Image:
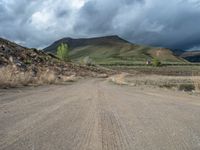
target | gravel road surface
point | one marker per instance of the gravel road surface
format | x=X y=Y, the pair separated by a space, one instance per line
x=98 y=115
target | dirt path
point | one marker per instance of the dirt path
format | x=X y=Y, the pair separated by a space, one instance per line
x=97 y=115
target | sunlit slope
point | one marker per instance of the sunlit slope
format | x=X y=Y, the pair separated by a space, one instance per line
x=113 y=49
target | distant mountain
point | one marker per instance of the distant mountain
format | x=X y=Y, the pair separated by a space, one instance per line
x=191 y=56
x=74 y=43
x=113 y=49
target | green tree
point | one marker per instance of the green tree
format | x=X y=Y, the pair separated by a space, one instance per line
x=156 y=62
x=63 y=52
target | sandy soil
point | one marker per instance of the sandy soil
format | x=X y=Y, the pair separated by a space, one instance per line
x=98 y=115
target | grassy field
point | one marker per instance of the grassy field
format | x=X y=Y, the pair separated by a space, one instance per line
x=180 y=83
x=173 y=70
x=175 y=77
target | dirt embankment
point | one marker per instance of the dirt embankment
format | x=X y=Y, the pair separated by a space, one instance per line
x=23 y=66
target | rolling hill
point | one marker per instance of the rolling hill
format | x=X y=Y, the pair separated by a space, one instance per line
x=191 y=56
x=113 y=50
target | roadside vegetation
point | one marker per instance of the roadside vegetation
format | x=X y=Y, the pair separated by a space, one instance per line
x=180 y=83
x=11 y=77
x=196 y=81
x=63 y=52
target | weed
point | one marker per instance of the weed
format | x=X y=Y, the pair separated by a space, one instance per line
x=186 y=87
x=196 y=82
x=156 y=62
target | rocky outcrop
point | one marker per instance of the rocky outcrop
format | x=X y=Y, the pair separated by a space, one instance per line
x=38 y=64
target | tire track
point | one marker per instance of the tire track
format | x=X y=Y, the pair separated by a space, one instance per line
x=114 y=134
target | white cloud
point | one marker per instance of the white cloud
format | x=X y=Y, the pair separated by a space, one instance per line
x=41 y=20
x=77 y=4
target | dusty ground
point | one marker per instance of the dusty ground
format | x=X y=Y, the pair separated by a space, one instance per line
x=98 y=115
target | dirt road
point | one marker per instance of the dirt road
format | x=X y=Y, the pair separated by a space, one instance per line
x=98 y=115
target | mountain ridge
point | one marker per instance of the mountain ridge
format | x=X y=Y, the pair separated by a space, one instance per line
x=192 y=56
x=113 y=49
x=75 y=42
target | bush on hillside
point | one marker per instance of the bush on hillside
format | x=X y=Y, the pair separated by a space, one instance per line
x=156 y=62
x=87 y=61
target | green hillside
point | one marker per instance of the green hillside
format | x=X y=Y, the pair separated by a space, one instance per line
x=113 y=50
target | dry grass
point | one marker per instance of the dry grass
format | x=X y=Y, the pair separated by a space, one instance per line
x=71 y=78
x=46 y=77
x=182 y=83
x=119 y=79
x=11 y=77
x=196 y=82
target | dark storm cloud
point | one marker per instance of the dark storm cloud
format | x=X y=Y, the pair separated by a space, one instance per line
x=96 y=17
x=173 y=24
x=36 y=23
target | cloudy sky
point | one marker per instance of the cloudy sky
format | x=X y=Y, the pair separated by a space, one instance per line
x=37 y=23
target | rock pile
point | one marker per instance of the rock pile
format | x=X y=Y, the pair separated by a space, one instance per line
x=13 y=54
x=36 y=62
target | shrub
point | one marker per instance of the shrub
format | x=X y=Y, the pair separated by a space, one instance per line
x=87 y=61
x=63 y=52
x=156 y=62
x=196 y=81
x=186 y=87
x=11 y=77
x=46 y=77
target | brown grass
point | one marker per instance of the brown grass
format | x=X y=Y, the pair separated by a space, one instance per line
x=181 y=83
x=11 y=77
x=196 y=82
x=119 y=79
x=70 y=78
x=46 y=77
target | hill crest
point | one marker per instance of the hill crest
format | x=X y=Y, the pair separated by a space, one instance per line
x=77 y=42
x=113 y=49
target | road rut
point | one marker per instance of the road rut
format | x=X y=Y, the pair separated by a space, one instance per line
x=98 y=115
